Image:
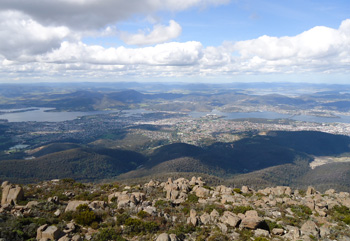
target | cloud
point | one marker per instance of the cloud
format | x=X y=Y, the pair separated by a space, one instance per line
x=172 y=54
x=320 y=49
x=95 y=14
x=52 y=52
x=22 y=36
x=159 y=34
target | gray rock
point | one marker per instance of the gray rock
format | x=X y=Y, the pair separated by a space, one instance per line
x=163 y=237
x=261 y=233
x=253 y=222
x=11 y=194
x=230 y=219
x=72 y=205
x=31 y=204
x=205 y=218
x=277 y=231
x=310 y=227
x=310 y=191
x=222 y=227
x=49 y=232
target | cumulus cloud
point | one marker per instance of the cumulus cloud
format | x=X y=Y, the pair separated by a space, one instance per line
x=320 y=48
x=172 y=54
x=159 y=34
x=95 y=14
x=22 y=36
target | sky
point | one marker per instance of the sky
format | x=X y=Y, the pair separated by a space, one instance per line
x=207 y=41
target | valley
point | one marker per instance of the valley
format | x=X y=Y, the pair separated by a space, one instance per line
x=234 y=135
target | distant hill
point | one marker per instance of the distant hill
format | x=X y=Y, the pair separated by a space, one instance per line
x=52 y=148
x=278 y=158
x=82 y=164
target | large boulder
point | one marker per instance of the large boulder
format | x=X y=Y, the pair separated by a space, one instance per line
x=253 y=221
x=72 y=205
x=230 y=219
x=163 y=237
x=46 y=232
x=310 y=228
x=11 y=194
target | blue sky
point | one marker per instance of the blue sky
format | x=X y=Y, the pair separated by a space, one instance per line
x=175 y=40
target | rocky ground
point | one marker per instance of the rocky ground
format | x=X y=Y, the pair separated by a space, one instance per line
x=174 y=210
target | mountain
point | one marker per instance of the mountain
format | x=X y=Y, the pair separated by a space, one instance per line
x=85 y=164
x=277 y=158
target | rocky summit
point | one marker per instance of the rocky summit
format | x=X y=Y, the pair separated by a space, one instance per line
x=172 y=210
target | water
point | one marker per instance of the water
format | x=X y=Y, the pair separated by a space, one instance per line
x=41 y=115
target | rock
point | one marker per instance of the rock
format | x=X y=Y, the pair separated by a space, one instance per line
x=205 y=218
x=40 y=230
x=292 y=234
x=76 y=237
x=97 y=205
x=253 y=222
x=173 y=237
x=163 y=237
x=201 y=191
x=230 y=219
x=329 y=192
x=48 y=232
x=261 y=233
x=72 y=205
x=70 y=227
x=324 y=232
x=11 y=194
x=150 y=184
x=222 y=227
x=4 y=184
x=277 y=231
x=113 y=197
x=310 y=227
x=214 y=214
x=310 y=191
x=57 y=213
x=65 y=238
x=54 y=199
x=193 y=218
x=245 y=189
x=251 y=213
x=31 y=204
x=150 y=210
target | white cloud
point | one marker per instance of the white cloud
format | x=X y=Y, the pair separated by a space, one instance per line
x=43 y=51
x=172 y=54
x=159 y=34
x=21 y=36
x=320 y=48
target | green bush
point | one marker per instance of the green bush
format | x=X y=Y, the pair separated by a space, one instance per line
x=142 y=214
x=192 y=198
x=273 y=225
x=341 y=213
x=218 y=237
x=237 y=190
x=241 y=209
x=84 y=216
x=301 y=211
x=162 y=204
x=108 y=234
x=136 y=226
x=210 y=207
x=261 y=239
x=121 y=218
